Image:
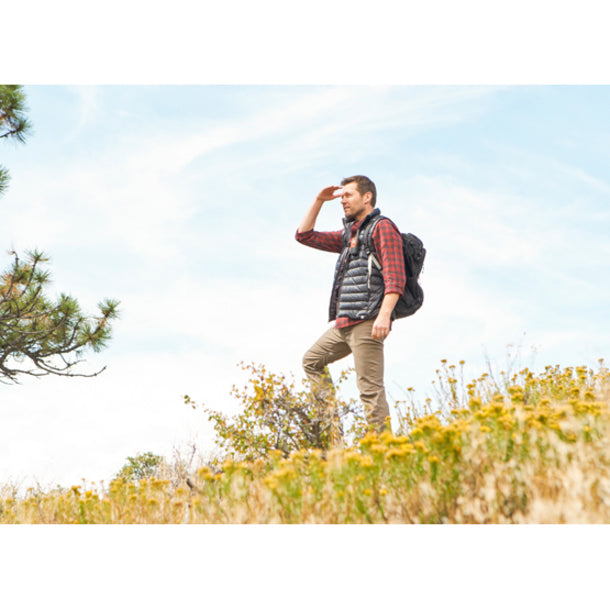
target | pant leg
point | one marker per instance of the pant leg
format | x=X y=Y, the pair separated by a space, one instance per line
x=331 y=346
x=328 y=348
x=369 y=364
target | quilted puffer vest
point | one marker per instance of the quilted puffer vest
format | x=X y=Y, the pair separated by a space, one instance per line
x=358 y=287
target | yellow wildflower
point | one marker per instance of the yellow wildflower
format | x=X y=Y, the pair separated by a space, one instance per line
x=204 y=473
x=366 y=461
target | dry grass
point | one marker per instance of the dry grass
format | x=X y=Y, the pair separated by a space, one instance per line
x=537 y=453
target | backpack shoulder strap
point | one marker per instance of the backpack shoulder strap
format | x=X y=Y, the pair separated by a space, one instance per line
x=369 y=246
x=367 y=233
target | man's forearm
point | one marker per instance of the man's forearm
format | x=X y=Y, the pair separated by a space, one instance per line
x=309 y=220
x=388 y=304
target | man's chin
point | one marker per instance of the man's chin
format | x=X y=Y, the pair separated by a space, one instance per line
x=349 y=218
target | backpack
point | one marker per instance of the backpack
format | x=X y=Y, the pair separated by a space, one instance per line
x=414 y=254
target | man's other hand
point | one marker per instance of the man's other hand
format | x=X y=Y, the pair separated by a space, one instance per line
x=381 y=327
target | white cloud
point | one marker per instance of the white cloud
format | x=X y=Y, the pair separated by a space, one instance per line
x=87 y=107
x=85 y=428
x=476 y=227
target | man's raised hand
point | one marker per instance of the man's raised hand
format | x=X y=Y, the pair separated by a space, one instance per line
x=328 y=193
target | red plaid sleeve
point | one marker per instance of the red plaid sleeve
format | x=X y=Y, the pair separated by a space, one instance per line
x=329 y=241
x=388 y=245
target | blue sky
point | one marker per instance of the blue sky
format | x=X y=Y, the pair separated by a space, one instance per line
x=182 y=202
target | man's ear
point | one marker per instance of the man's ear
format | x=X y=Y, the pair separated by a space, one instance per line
x=368 y=196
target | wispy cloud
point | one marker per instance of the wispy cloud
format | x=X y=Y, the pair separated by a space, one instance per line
x=87 y=106
x=133 y=190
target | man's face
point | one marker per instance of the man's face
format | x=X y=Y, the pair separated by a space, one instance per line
x=354 y=204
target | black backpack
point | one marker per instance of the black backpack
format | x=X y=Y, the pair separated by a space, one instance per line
x=415 y=253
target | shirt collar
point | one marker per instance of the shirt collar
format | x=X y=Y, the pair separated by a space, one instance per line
x=354 y=226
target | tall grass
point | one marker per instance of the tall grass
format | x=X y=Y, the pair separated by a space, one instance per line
x=532 y=448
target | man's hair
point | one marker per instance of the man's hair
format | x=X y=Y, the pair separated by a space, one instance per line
x=364 y=185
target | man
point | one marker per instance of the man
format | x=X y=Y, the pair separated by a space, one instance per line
x=363 y=296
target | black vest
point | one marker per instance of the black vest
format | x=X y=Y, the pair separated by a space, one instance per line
x=358 y=287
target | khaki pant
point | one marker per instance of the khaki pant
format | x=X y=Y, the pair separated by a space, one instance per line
x=368 y=360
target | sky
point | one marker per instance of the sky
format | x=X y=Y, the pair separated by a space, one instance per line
x=182 y=203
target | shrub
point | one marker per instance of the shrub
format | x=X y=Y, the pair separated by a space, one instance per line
x=142 y=466
x=278 y=417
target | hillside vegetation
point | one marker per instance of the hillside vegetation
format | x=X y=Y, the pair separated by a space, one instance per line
x=534 y=448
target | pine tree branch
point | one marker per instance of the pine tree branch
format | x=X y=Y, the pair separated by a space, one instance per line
x=34 y=329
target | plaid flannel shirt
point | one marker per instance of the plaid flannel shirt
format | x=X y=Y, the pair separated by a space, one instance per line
x=388 y=246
